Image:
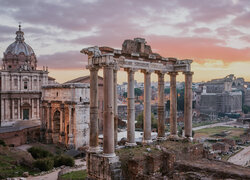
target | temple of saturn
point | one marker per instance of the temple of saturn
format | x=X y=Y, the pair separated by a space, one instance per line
x=134 y=56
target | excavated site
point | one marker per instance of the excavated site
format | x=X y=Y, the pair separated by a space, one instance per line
x=179 y=159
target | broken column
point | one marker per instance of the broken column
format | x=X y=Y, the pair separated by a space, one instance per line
x=161 y=114
x=131 y=108
x=188 y=104
x=147 y=108
x=93 y=125
x=173 y=105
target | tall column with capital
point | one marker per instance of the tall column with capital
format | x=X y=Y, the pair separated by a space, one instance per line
x=131 y=108
x=93 y=140
x=173 y=104
x=161 y=114
x=115 y=108
x=188 y=104
x=147 y=108
x=108 y=121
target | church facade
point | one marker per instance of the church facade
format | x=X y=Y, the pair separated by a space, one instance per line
x=20 y=83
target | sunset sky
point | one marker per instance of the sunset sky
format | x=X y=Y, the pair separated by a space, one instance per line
x=214 y=33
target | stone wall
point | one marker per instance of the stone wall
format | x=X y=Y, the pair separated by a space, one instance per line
x=20 y=137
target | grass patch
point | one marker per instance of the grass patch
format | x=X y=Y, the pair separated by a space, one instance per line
x=9 y=169
x=75 y=175
x=198 y=124
x=231 y=132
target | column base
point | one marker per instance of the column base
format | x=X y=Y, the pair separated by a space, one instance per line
x=108 y=155
x=147 y=142
x=130 y=144
x=161 y=138
x=190 y=139
x=94 y=149
x=173 y=137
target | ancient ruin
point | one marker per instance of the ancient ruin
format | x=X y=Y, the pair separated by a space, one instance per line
x=65 y=114
x=134 y=56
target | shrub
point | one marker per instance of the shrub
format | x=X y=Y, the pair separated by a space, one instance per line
x=2 y=142
x=63 y=160
x=45 y=164
x=38 y=152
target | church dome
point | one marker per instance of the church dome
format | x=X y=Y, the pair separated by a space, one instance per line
x=19 y=46
x=19 y=56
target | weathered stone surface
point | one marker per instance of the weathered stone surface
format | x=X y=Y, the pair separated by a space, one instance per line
x=103 y=168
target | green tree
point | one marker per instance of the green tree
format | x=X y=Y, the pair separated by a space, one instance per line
x=125 y=95
x=138 y=92
x=140 y=119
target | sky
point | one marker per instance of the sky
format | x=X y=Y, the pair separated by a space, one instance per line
x=214 y=33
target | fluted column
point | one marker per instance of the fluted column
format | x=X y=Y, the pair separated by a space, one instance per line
x=131 y=108
x=93 y=140
x=147 y=108
x=173 y=104
x=188 y=104
x=115 y=108
x=108 y=121
x=161 y=112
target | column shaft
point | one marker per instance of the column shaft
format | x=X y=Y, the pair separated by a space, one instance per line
x=188 y=104
x=93 y=140
x=147 y=108
x=161 y=114
x=173 y=104
x=115 y=108
x=108 y=121
x=131 y=108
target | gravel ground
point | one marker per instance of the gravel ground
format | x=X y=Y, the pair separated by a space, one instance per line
x=242 y=158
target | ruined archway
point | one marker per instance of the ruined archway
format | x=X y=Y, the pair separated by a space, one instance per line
x=56 y=126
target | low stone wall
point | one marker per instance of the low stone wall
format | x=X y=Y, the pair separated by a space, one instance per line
x=103 y=168
x=19 y=137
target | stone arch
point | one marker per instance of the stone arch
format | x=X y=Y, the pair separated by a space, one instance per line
x=56 y=121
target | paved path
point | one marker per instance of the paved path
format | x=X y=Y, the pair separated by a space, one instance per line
x=242 y=158
x=54 y=175
x=228 y=123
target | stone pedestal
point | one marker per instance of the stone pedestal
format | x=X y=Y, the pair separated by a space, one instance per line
x=103 y=168
x=188 y=105
x=173 y=104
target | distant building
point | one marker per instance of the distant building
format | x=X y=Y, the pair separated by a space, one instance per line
x=220 y=95
x=65 y=114
x=86 y=79
x=20 y=83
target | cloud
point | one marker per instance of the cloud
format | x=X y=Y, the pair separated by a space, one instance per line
x=63 y=60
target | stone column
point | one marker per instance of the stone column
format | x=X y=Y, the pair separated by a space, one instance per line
x=161 y=112
x=173 y=105
x=188 y=104
x=115 y=108
x=108 y=121
x=131 y=108
x=147 y=108
x=93 y=140
x=13 y=108
x=19 y=109
x=38 y=108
